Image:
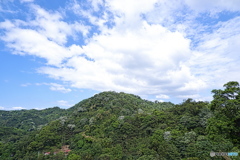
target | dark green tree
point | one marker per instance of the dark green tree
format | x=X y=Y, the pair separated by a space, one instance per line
x=226 y=108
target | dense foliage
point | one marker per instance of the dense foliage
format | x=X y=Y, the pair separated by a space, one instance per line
x=120 y=126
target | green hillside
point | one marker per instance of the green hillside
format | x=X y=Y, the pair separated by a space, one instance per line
x=120 y=126
x=29 y=119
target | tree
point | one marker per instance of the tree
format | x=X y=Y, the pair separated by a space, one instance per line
x=74 y=157
x=226 y=108
x=227 y=101
x=165 y=149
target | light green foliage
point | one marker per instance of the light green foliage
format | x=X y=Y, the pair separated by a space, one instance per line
x=74 y=157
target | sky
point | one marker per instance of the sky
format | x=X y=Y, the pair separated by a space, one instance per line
x=59 y=52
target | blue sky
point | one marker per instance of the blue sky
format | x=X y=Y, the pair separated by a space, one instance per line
x=56 y=53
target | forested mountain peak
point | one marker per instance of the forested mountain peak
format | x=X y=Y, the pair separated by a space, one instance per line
x=119 y=102
x=121 y=126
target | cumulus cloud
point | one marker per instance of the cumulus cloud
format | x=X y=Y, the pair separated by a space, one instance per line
x=122 y=61
x=46 y=40
x=140 y=52
x=1 y=108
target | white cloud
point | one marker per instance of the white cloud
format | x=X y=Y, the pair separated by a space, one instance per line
x=22 y=1
x=26 y=84
x=196 y=97
x=193 y=96
x=141 y=53
x=52 y=26
x=39 y=108
x=162 y=96
x=5 y=7
x=129 y=9
x=55 y=87
x=58 y=87
x=23 y=42
x=1 y=108
x=213 y=5
x=17 y=108
x=46 y=40
x=96 y=4
x=217 y=57
x=122 y=61
x=63 y=103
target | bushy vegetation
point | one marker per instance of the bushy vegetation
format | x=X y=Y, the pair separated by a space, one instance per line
x=120 y=126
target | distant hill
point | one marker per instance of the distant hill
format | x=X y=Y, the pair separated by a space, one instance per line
x=117 y=126
x=29 y=119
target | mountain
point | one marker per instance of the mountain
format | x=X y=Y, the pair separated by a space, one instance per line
x=122 y=126
x=29 y=119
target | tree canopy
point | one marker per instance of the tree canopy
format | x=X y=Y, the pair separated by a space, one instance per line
x=120 y=126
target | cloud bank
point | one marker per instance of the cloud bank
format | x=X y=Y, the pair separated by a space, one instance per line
x=146 y=47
